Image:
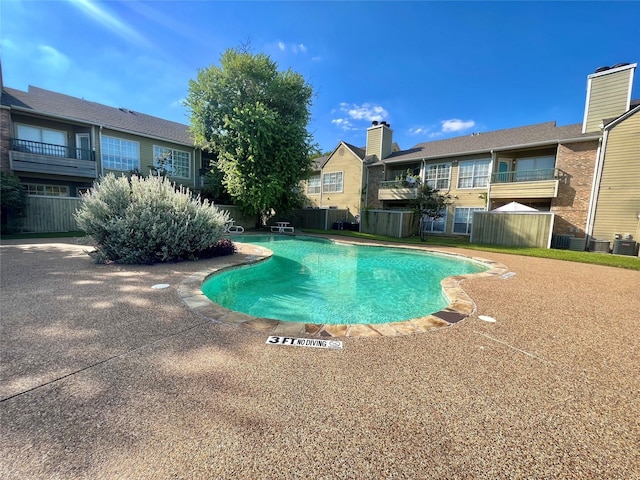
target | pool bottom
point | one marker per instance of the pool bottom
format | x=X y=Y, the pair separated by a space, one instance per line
x=460 y=306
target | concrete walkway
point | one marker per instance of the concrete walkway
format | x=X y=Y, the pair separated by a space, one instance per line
x=104 y=377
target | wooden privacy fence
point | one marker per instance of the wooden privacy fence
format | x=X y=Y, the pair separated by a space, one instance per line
x=55 y=214
x=515 y=229
x=316 y=218
x=50 y=214
x=237 y=216
x=390 y=223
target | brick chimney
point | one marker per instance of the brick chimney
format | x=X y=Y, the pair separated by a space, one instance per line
x=379 y=140
x=608 y=95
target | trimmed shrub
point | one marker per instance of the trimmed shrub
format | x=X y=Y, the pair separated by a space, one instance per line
x=142 y=220
x=221 y=248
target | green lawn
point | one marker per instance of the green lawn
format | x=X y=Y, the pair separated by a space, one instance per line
x=619 y=261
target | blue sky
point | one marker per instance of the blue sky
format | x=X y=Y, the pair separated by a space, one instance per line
x=431 y=69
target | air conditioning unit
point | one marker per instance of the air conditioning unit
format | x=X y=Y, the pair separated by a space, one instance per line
x=624 y=247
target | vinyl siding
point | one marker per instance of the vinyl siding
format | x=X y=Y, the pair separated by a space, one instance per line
x=609 y=96
x=619 y=194
x=343 y=160
x=374 y=142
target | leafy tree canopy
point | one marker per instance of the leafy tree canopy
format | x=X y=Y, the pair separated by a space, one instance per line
x=254 y=118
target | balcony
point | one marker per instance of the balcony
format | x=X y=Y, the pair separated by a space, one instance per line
x=397 y=190
x=38 y=157
x=541 y=183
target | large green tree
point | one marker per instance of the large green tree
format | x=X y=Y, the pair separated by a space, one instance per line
x=254 y=118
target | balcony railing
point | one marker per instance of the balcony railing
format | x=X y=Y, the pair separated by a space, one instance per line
x=398 y=190
x=51 y=150
x=528 y=175
x=38 y=157
x=387 y=184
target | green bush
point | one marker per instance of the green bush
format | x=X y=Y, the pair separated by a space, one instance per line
x=222 y=248
x=147 y=220
x=13 y=200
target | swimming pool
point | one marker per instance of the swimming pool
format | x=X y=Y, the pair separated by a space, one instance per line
x=312 y=280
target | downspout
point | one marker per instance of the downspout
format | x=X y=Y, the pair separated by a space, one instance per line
x=195 y=170
x=101 y=162
x=366 y=195
x=488 y=199
x=595 y=187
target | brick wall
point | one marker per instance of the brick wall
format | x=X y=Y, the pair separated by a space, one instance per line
x=376 y=175
x=577 y=160
x=5 y=138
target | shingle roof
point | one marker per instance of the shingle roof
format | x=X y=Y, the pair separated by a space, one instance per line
x=486 y=141
x=319 y=162
x=56 y=104
x=360 y=152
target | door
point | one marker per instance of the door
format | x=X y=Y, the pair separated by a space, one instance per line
x=83 y=146
x=503 y=169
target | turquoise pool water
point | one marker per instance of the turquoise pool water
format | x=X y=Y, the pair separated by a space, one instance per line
x=317 y=281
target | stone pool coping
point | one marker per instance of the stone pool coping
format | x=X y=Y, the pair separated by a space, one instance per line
x=460 y=307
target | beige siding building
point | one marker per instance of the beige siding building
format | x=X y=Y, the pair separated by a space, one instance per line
x=616 y=199
x=550 y=168
x=59 y=145
x=339 y=180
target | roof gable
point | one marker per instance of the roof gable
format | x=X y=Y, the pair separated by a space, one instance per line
x=46 y=102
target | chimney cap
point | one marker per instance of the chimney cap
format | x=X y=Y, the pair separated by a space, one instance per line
x=375 y=122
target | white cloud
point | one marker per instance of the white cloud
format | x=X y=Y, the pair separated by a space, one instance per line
x=52 y=60
x=366 y=111
x=418 y=131
x=344 y=124
x=294 y=48
x=101 y=16
x=456 y=125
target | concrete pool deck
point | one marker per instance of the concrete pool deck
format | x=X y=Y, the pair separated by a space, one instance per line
x=104 y=377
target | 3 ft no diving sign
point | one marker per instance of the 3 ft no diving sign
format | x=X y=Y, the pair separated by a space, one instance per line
x=304 y=342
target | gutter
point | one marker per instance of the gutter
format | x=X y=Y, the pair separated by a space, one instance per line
x=101 y=162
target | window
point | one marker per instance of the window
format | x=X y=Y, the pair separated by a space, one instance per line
x=463 y=218
x=535 y=168
x=119 y=154
x=332 y=182
x=175 y=162
x=313 y=185
x=46 y=190
x=438 y=176
x=473 y=174
x=438 y=225
x=42 y=141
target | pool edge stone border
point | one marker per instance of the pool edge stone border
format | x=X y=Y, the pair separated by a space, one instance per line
x=460 y=305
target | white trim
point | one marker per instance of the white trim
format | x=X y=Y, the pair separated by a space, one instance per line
x=586 y=106
x=612 y=70
x=120 y=139
x=153 y=149
x=341 y=172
